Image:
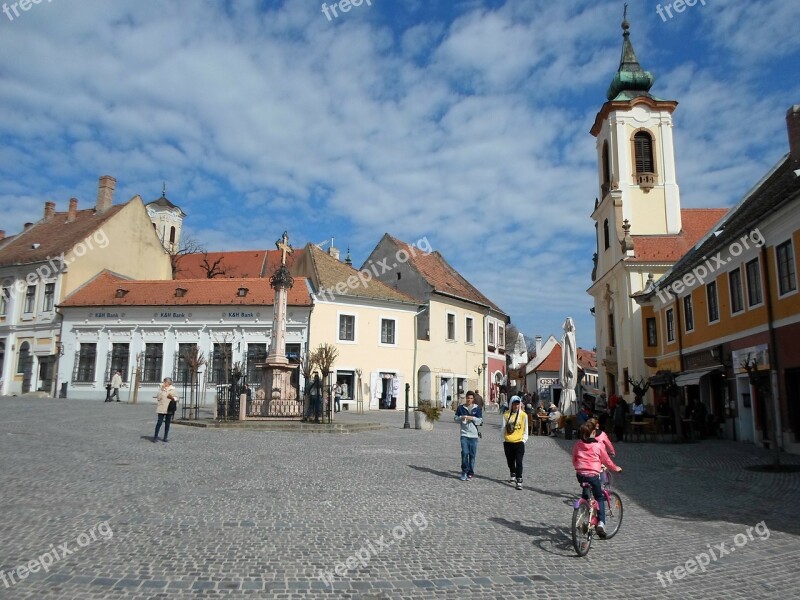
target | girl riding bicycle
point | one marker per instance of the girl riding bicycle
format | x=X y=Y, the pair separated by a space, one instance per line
x=589 y=457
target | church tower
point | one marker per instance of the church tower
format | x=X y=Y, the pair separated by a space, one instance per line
x=636 y=162
x=637 y=214
x=167 y=220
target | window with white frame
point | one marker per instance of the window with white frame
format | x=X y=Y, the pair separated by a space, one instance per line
x=5 y=294
x=787 y=279
x=153 y=363
x=670 y=325
x=49 y=297
x=754 y=295
x=490 y=337
x=501 y=337
x=388 y=331
x=713 y=302
x=688 y=312
x=30 y=299
x=468 y=329
x=347 y=328
x=451 y=326
x=737 y=295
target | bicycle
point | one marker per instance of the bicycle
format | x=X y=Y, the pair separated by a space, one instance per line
x=584 y=515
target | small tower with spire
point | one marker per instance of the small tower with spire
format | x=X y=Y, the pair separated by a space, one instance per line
x=167 y=220
x=636 y=159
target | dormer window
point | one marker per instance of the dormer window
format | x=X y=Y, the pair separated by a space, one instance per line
x=121 y=292
x=242 y=292
x=180 y=292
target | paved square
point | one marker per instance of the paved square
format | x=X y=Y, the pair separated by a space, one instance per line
x=380 y=514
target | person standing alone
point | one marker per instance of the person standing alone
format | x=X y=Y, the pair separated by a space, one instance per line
x=166 y=394
x=116 y=383
x=470 y=416
x=515 y=434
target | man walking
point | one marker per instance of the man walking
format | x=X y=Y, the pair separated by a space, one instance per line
x=116 y=383
x=470 y=416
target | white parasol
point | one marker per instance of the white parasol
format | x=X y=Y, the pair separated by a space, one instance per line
x=569 y=370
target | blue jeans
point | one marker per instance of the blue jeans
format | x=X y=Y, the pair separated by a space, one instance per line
x=597 y=492
x=166 y=419
x=469 y=447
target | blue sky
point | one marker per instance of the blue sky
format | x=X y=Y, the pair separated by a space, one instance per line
x=466 y=122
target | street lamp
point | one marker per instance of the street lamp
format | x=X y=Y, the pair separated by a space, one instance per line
x=407 y=425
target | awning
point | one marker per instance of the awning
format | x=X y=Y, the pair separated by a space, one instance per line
x=692 y=377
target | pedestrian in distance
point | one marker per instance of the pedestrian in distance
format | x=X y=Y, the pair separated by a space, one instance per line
x=167 y=399
x=620 y=417
x=116 y=383
x=515 y=434
x=470 y=416
x=337 y=397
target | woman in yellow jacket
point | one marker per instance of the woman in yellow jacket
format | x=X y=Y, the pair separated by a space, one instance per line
x=515 y=434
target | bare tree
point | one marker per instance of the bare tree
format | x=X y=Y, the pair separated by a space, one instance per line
x=213 y=269
x=762 y=387
x=189 y=245
x=326 y=355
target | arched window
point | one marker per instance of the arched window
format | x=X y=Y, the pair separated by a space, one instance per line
x=607 y=239
x=606 y=167
x=24 y=357
x=172 y=235
x=643 y=149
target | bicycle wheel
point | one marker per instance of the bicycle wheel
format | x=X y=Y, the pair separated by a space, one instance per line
x=581 y=529
x=613 y=514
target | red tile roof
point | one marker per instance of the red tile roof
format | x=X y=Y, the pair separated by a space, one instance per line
x=553 y=360
x=234 y=264
x=587 y=359
x=102 y=291
x=443 y=277
x=48 y=238
x=695 y=222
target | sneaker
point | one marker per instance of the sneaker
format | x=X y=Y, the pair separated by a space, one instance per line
x=155 y=439
x=463 y=477
x=519 y=484
x=166 y=440
x=513 y=479
x=469 y=477
x=600 y=528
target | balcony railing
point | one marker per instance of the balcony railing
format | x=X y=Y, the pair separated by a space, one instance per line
x=646 y=180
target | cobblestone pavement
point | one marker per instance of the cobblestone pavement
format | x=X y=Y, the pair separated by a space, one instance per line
x=262 y=514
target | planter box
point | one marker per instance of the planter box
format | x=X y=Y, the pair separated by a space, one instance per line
x=421 y=421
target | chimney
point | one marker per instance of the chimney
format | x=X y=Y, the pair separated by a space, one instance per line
x=538 y=345
x=49 y=210
x=27 y=226
x=2 y=234
x=793 y=125
x=334 y=252
x=73 y=210
x=105 y=193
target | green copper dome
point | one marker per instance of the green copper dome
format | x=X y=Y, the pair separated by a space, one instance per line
x=631 y=79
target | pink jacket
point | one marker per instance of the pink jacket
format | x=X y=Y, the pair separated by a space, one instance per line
x=603 y=439
x=588 y=457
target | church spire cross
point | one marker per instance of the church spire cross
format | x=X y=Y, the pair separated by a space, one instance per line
x=283 y=245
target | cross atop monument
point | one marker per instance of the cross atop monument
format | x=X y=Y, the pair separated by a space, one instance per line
x=283 y=245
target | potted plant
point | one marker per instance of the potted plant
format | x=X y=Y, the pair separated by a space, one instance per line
x=425 y=415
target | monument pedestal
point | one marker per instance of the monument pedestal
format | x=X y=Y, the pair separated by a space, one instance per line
x=280 y=396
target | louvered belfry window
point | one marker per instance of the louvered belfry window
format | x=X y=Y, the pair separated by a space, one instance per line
x=643 y=148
